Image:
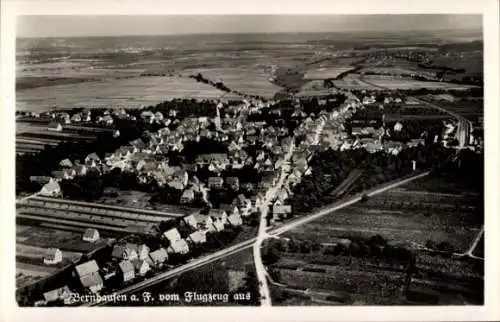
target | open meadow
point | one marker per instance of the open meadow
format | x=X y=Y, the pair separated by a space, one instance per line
x=325 y=72
x=245 y=79
x=114 y=93
x=352 y=82
x=392 y=83
x=410 y=216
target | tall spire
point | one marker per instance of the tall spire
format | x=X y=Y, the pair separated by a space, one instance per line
x=217 y=117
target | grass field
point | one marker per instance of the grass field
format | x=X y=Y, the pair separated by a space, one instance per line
x=469 y=109
x=353 y=82
x=375 y=287
x=315 y=88
x=325 y=72
x=403 y=84
x=37 y=252
x=126 y=93
x=30 y=267
x=244 y=79
x=409 y=215
x=139 y=200
x=399 y=71
x=66 y=241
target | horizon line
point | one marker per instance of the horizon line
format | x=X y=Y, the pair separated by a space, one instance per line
x=253 y=33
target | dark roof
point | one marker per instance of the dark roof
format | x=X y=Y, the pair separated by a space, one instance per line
x=226 y=207
x=215 y=180
x=118 y=251
x=232 y=180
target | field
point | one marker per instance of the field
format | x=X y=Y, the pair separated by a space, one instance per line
x=399 y=71
x=409 y=215
x=353 y=83
x=32 y=243
x=105 y=218
x=346 y=283
x=430 y=210
x=245 y=79
x=315 y=88
x=404 y=84
x=470 y=109
x=66 y=241
x=137 y=199
x=126 y=93
x=35 y=136
x=324 y=72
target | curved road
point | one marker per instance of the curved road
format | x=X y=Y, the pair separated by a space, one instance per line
x=249 y=243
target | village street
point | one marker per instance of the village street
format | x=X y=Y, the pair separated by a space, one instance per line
x=264 y=209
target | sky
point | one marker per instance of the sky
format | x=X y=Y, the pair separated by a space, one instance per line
x=79 y=26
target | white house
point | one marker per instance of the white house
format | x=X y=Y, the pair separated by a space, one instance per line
x=178 y=247
x=91 y=235
x=51 y=189
x=198 y=237
x=158 y=257
x=235 y=220
x=127 y=270
x=172 y=235
x=52 y=256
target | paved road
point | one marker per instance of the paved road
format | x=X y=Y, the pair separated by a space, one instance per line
x=249 y=243
x=469 y=252
x=27 y=197
x=265 y=296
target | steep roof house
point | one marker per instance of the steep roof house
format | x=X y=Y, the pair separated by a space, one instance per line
x=62 y=174
x=172 y=235
x=52 y=256
x=215 y=182
x=198 y=237
x=233 y=183
x=91 y=235
x=141 y=266
x=88 y=273
x=158 y=257
x=218 y=215
x=127 y=270
x=187 y=196
x=66 y=163
x=54 y=126
x=175 y=184
x=92 y=160
x=80 y=169
x=127 y=252
x=235 y=220
x=178 y=247
x=59 y=294
x=51 y=189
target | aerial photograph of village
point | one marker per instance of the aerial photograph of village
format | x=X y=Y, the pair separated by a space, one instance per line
x=249 y=160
